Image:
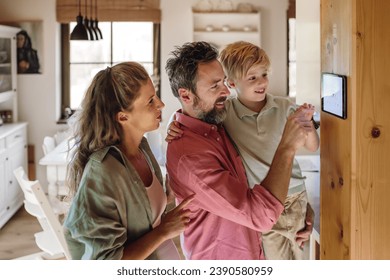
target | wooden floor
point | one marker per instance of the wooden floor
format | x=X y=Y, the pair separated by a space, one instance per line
x=17 y=236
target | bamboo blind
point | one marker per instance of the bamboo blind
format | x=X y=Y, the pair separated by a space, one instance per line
x=110 y=10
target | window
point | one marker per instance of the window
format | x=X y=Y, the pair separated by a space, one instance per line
x=122 y=41
x=292 y=61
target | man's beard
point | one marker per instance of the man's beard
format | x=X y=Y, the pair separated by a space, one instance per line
x=214 y=116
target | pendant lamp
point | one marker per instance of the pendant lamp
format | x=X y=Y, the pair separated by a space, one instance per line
x=97 y=29
x=79 y=32
x=87 y=24
x=92 y=24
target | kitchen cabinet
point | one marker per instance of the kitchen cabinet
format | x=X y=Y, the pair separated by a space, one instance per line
x=13 y=153
x=221 y=28
x=8 y=68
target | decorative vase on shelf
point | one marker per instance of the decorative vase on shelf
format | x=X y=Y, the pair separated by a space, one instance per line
x=224 y=6
x=203 y=6
x=245 y=8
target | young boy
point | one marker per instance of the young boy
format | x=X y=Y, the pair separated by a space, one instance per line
x=255 y=122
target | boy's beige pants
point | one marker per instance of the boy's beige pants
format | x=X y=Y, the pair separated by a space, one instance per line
x=279 y=243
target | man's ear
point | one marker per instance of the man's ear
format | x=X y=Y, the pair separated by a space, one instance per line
x=185 y=95
x=230 y=83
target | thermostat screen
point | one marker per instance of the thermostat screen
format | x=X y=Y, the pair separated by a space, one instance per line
x=334 y=95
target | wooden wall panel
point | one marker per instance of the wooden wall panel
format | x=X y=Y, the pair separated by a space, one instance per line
x=372 y=51
x=336 y=135
x=355 y=153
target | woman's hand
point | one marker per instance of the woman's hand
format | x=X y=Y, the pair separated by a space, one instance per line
x=172 y=224
x=174 y=131
x=176 y=221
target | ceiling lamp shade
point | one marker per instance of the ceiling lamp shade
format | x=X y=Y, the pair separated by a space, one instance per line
x=79 y=32
x=87 y=24
x=96 y=24
x=92 y=25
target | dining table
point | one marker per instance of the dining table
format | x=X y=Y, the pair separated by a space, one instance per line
x=56 y=163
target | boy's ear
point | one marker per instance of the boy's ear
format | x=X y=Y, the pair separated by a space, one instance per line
x=230 y=83
x=185 y=95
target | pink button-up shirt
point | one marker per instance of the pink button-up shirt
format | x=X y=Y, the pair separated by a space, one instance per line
x=227 y=215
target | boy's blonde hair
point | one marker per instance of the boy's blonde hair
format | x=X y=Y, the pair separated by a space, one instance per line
x=236 y=59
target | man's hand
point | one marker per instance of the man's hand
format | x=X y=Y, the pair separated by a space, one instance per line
x=173 y=131
x=304 y=235
x=294 y=136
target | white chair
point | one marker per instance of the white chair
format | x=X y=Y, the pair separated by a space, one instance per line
x=61 y=135
x=49 y=143
x=51 y=240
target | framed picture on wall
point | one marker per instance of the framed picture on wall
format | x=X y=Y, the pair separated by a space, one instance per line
x=29 y=47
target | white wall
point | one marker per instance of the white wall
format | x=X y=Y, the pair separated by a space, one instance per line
x=38 y=94
x=176 y=29
x=308 y=56
x=308 y=52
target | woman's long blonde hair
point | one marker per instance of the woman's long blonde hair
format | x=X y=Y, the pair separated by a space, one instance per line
x=111 y=91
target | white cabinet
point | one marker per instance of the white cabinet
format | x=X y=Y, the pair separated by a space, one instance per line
x=8 y=92
x=221 y=28
x=13 y=153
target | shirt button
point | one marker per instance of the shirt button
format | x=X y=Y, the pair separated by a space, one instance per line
x=205 y=134
x=218 y=139
x=212 y=127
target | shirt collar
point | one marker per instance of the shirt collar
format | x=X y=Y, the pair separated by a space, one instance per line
x=243 y=111
x=99 y=155
x=196 y=125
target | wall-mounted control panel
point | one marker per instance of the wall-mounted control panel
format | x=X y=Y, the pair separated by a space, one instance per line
x=334 y=94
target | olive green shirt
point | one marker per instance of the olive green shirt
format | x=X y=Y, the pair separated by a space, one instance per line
x=111 y=206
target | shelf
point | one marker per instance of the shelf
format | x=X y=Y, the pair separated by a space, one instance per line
x=210 y=27
x=7 y=95
x=225 y=32
x=223 y=12
x=8 y=68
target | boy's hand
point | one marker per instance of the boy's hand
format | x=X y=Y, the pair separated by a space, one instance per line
x=295 y=131
x=308 y=110
x=304 y=235
x=173 y=131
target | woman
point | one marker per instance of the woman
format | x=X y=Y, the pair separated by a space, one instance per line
x=118 y=202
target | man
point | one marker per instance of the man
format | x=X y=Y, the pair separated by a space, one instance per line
x=227 y=215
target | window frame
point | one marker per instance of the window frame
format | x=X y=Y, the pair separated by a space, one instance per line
x=66 y=110
x=291 y=14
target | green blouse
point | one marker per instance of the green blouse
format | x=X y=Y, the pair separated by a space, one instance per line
x=111 y=206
